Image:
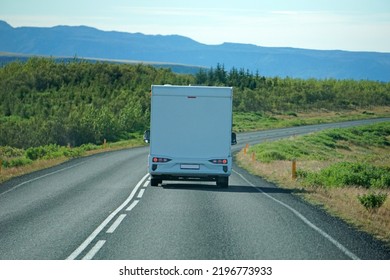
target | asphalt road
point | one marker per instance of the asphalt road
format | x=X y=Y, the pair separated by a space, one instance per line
x=103 y=207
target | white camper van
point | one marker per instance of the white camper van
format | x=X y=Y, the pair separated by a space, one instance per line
x=190 y=134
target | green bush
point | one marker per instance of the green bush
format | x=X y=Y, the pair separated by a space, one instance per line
x=349 y=174
x=372 y=201
x=12 y=157
x=55 y=151
x=10 y=152
x=72 y=153
x=47 y=152
x=16 y=162
x=35 y=153
x=89 y=147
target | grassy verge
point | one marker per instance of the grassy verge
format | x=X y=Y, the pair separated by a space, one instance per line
x=346 y=171
x=16 y=162
x=261 y=121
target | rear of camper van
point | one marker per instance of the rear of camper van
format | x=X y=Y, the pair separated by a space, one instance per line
x=190 y=134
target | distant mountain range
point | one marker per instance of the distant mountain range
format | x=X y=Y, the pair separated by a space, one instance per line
x=189 y=55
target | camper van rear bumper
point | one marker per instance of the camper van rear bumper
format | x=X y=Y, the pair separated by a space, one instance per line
x=171 y=169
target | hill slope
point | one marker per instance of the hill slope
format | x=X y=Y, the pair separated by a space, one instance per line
x=82 y=41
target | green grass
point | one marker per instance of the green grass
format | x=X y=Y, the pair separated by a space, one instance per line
x=343 y=174
x=14 y=157
x=332 y=145
x=252 y=121
x=323 y=145
x=313 y=147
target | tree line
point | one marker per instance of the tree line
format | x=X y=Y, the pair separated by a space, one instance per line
x=76 y=102
x=43 y=101
x=256 y=93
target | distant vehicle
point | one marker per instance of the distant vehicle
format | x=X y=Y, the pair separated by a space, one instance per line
x=190 y=134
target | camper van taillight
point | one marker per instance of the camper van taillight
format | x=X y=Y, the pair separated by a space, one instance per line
x=219 y=161
x=160 y=160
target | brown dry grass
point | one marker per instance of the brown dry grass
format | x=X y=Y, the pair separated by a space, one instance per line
x=340 y=202
x=9 y=173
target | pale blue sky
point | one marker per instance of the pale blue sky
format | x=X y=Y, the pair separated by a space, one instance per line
x=358 y=25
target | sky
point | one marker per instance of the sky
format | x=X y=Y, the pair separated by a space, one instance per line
x=355 y=25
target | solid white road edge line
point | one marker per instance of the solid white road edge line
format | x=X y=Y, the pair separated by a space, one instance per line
x=116 y=223
x=94 y=250
x=93 y=235
x=305 y=220
x=43 y=176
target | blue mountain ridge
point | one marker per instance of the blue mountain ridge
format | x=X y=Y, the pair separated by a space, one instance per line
x=88 y=42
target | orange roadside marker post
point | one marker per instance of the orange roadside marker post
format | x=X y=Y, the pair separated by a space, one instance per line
x=294 y=169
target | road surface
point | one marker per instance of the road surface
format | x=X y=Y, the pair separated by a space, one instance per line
x=103 y=207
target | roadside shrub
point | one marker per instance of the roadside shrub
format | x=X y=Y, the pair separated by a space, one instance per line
x=73 y=153
x=349 y=174
x=16 y=162
x=89 y=147
x=372 y=201
x=35 y=153
x=13 y=157
x=10 y=152
x=54 y=151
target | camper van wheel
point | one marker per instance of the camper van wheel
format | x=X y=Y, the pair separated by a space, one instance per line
x=154 y=182
x=223 y=182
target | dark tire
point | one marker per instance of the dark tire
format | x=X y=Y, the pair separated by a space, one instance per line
x=223 y=182
x=154 y=182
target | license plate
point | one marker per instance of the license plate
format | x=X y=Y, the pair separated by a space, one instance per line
x=190 y=166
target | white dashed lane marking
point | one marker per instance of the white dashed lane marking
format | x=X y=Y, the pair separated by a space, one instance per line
x=141 y=193
x=116 y=223
x=76 y=253
x=132 y=205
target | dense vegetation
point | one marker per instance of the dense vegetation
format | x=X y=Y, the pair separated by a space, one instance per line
x=45 y=102
x=255 y=93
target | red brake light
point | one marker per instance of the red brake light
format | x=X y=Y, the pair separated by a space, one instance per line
x=219 y=161
x=161 y=160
